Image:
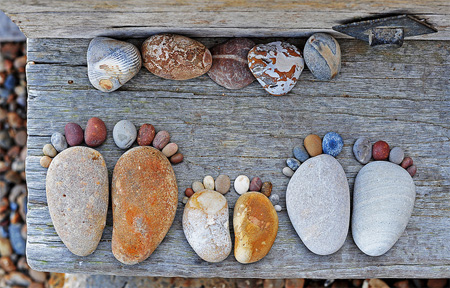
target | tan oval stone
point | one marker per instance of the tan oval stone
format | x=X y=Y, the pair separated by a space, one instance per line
x=206 y=227
x=77 y=196
x=144 y=198
x=255 y=223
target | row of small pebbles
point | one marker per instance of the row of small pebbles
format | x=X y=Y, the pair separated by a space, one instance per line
x=234 y=64
x=380 y=151
x=125 y=134
x=331 y=144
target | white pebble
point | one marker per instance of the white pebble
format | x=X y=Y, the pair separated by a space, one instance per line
x=208 y=182
x=185 y=199
x=274 y=198
x=288 y=172
x=241 y=184
x=197 y=186
x=277 y=208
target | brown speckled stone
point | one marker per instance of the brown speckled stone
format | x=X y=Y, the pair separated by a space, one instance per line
x=144 y=201
x=161 y=139
x=146 y=135
x=313 y=144
x=95 y=132
x=77 y=196
x=380 y=150
x=74 y=134
x=175 y=57
x=266 y=188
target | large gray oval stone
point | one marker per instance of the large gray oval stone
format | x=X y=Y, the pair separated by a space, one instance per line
x=318 y=204
x=77 y=196
x=383 y=200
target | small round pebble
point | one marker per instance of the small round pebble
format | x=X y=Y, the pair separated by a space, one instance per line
x=185 y=199
x=362 y=149
x=288 y=172
x=45 y=161
x=146 y=135
x=161 y=139
x=197 y=186
x=170 y=149
x=332 y=144
x=189 y=192
x=241 y=184
x=266 y=188
x=293 y=163
x=274 y=198
x=59 y=141
x=74 y=134
x=177 y=158
x=223 y=184
x=255 y=184
x=380 y=150
x=277 y=208
x=124 y=134
x=300 y=153
x=95 y=132
x=406 y=162
x=208 y=182
x=412 y=170
x=313 y=144
x=49 y=150
x=396 y=155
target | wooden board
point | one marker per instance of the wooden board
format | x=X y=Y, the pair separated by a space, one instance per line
x=401 y=96
x=225 y=18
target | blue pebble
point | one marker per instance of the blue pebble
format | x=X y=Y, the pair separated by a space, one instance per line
x=332 y=144
x=300 y=153
x=13 y=206
x=293 y=163
x=10 y=82
x=17 y=242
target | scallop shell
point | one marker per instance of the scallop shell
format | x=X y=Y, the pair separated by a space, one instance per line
x=111 y=63
x=383 y=200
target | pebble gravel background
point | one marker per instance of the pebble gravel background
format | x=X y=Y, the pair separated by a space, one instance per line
x=14 y=271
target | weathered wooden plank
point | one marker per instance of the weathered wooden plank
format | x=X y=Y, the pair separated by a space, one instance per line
x=138 y=18
x=250 y=132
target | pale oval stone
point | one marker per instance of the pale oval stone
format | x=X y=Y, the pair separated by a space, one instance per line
x=222 y=184
x=197 y=186
x=208 y=182
x=383 y=201
x=241 y=184
x=318 y=204
x=255 y=223
x=77 y=195
x=144 y=201
x=206 y=227
x=170 y=149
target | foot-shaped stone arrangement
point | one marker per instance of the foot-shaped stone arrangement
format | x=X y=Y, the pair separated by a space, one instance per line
x=383 y=197
x=205 y=219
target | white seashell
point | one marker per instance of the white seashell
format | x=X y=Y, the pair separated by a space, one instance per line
x=111 y=63
x=383 y=200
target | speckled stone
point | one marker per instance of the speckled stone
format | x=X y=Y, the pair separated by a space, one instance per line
x=223 y=184
x=95 y=132
x=146 y=135
x=208 y=182
x=300 y=153
x=241 y=184
x=383 y=200
x=255 y=184
x=45 y=161
x=74 y=134
x=380 y=150
x=124 y=134
x=332 y=144
x=288 y=172
x=277 y=66
x=49 y=150
x=230 y=65
x=323 y=56
x=266 y=188
x=293 y=163
x=78 y=178
x=318 y=204
x=161 y=139
x=313 y=144
x=144 y=201
x=255 y=223
x=396 y=155
x=274 y=198
x=59 y=141
x=197 y=186
x=206 y=225
x=170 y=150
x=362 y=149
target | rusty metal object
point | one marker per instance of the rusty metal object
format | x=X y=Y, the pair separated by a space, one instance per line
x=388 y=30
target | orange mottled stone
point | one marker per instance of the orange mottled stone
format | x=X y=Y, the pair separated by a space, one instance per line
x=144 y=198
x=255 y=223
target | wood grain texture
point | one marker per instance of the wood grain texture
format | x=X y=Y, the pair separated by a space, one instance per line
x=229 y=18
x=401 y=96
